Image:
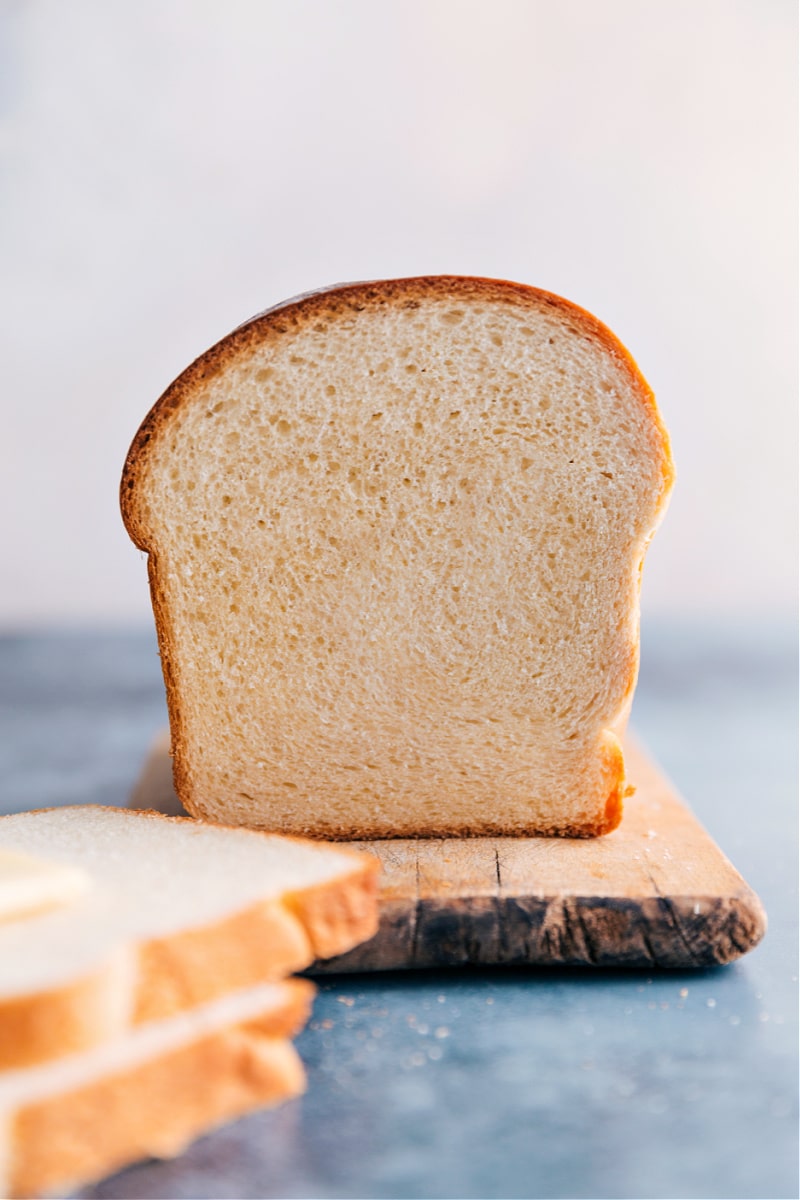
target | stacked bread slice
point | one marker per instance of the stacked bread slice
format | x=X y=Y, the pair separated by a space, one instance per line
x=151 y=1003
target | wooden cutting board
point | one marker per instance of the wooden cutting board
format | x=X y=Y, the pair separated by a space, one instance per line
x=656 y=892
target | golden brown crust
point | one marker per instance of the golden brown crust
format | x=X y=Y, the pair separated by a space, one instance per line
x=197 y=965
x=614 y=782
x=327 y=913
x=265 y=941
x=169 y=669
x=155 y=1109
x=357 y=833
x=62 y=1021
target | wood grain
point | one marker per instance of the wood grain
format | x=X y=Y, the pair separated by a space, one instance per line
x=656 y=892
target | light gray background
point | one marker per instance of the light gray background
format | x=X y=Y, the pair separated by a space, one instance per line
x=170 y=168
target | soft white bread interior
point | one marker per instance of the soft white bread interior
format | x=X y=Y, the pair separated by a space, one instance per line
x=177 y=913
x=149 y=1092
x=395 y=535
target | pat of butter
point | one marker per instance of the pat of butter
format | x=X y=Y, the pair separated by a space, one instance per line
x=30 y=885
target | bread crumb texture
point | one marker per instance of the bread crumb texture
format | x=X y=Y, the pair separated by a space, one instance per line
x=395 y=536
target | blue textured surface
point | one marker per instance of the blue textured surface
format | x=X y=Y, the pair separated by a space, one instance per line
x=503 y=1083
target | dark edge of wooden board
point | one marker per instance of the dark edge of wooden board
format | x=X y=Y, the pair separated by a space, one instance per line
x=575 y=931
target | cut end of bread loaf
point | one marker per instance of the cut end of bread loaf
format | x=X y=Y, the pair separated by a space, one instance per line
x=395 y=535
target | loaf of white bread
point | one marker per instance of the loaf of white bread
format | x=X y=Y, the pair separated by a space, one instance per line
x=395 y=534
x=137 y=960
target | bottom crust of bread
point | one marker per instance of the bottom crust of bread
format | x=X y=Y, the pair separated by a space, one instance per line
x=155 y=1109
x=606 y=823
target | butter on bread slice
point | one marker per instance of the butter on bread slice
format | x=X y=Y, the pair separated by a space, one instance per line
x=30 y=884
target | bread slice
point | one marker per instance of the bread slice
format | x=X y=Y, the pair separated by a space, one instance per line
x=178 y=913
x=395 y=535
x=150 y=1092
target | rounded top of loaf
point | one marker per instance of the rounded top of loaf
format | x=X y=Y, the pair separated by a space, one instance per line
x=325 y=308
